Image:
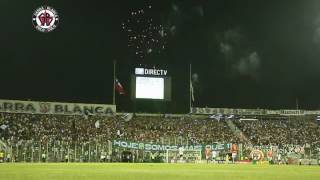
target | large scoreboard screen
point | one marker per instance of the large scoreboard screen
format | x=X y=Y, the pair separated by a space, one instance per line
x=149 y=88
x=152 y=84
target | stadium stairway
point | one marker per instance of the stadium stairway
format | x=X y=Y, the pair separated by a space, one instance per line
x=237 y=132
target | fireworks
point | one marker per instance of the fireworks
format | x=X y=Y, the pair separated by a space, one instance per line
x=145 y=35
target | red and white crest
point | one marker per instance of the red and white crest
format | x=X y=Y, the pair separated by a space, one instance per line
x=45 y=19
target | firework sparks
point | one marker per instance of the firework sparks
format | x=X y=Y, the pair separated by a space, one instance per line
x=145 y=35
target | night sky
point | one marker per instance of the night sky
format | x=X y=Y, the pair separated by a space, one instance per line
x=244 y=53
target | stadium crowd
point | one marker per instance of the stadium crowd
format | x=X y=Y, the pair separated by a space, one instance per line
x=182 y=130
x=27 y=130
x=169 y=130
x=279 y=132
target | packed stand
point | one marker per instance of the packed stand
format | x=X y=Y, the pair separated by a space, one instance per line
x=172 y=130
x=279 y=132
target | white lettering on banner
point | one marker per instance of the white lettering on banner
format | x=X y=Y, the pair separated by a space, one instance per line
x=227 y=111
x=12 y=106
x=292 y=112
x=164 y=147
x=153 y=72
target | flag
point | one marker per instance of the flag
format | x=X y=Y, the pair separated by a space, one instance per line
x=217 y=117
x=3 y=127
x=119 y=88
x=97 y=124
x=127 y=117
x=191 y=91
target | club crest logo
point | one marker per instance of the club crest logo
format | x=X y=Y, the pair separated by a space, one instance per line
x=257 y=155
x=45 y=19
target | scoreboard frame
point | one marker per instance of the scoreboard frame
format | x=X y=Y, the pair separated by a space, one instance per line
x=152 y=73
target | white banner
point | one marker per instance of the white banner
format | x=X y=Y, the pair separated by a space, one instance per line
x=12 y=106
x=287 y=112
x=228 y=111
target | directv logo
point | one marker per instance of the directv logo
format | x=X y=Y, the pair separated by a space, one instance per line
x=154 y=72
x=139 y=71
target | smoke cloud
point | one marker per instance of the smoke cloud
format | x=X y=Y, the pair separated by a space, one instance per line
x=239 y=56
x=249 y=65
x=316 y=35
